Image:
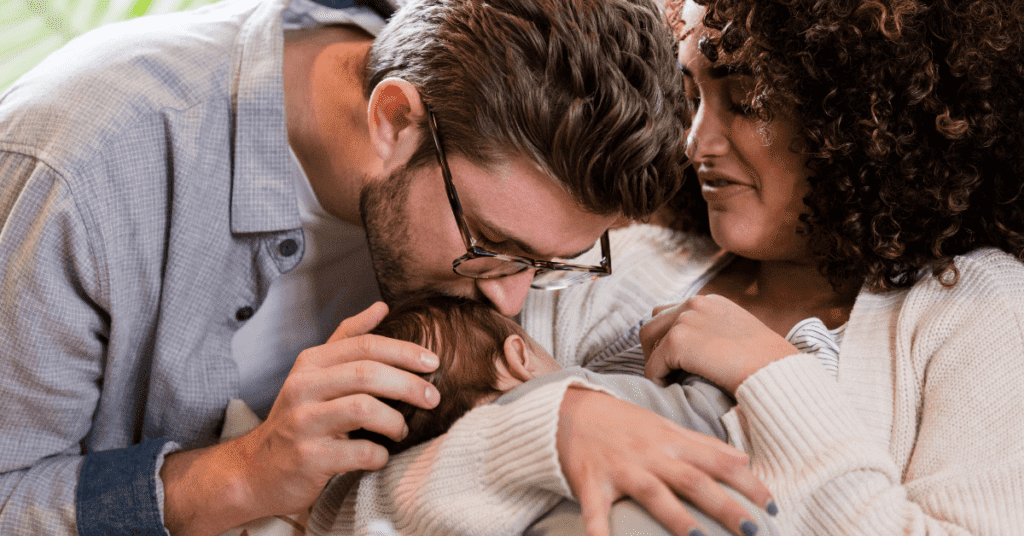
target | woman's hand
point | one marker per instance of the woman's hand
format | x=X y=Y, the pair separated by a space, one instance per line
x=610 y=449
x=710 y=336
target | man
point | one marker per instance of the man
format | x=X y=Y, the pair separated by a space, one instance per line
x=184 y=201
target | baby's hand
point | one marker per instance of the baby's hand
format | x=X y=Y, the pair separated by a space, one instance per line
x=710 y=336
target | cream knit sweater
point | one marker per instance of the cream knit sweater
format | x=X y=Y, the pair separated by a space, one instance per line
x=923 y=433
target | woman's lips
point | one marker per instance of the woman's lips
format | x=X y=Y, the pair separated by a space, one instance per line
x=719 y=183
x=718 y=187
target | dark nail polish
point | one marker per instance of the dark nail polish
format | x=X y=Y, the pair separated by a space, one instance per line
x=695 y=532
x=748 y=527
x=771 y=508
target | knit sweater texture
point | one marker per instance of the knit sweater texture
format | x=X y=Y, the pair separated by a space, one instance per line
x=922 y=433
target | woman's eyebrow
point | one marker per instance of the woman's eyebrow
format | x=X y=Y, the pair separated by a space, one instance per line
x=732 y=69
x=719 y=71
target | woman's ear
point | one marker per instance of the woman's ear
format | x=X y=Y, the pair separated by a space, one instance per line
x=394 y=113
x=517 y=367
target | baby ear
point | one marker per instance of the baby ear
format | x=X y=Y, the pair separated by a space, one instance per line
x=516 y=368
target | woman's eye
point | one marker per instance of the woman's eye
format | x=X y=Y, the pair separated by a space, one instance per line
x=692 y=97
x=742 y=108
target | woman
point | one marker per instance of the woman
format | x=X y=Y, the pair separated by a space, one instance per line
x=860 y=165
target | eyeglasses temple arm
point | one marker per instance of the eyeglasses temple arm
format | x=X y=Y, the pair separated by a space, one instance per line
x=449 y=186
x=606 y=252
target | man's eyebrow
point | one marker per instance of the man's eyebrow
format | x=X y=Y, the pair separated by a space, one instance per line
x=530 y=251
x=574 y=255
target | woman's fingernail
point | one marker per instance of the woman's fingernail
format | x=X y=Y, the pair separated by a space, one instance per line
x=428 y=359
x=748 y=527
x=695 y=532
x=771 y=508
x=405 y=431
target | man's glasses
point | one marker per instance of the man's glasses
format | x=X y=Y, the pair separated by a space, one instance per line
x=480 y=263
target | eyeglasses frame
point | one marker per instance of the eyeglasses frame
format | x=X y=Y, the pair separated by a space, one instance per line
x=474 y=252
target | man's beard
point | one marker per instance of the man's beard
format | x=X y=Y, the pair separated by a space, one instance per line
x=382 y=206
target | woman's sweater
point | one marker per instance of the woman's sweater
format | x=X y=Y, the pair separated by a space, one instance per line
x=923 y=433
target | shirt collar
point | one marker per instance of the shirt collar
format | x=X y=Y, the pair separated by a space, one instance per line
x=263 y=196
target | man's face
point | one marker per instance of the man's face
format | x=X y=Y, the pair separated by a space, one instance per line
x=510 y=207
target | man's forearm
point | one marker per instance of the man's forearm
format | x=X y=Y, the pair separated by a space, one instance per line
x=205 y=492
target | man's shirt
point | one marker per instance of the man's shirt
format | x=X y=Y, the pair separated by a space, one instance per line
x=146 y=202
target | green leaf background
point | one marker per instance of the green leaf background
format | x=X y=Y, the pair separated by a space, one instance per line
x=32 y=29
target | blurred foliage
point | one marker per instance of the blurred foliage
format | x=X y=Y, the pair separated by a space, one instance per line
x=32 y=29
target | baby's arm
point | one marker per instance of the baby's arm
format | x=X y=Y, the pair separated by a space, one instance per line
x=691 y=402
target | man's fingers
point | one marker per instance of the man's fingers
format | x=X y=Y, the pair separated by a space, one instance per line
x=342 y=456
x=360 y=323
x=372 y=378
x=402 y=354
x=360 y=455
x=335 y=418
x=343 y=415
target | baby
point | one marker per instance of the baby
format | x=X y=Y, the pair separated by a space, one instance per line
x=486 y=357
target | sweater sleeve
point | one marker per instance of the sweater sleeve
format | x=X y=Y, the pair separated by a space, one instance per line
x=498 y=459
x=426 y=491
x=953 y=461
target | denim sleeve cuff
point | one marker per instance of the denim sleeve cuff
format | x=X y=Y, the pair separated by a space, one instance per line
x=117 y=491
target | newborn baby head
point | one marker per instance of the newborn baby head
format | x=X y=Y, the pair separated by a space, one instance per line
x=482 y=354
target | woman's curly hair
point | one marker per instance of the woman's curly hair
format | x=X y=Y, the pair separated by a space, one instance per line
x=913 y=118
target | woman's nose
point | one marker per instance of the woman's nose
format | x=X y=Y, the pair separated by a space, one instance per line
x=707 y=136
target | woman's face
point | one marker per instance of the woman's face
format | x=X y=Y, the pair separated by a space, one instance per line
x=752 y=179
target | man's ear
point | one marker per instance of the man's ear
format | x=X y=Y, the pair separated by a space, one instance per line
x=394 y=114
x=517 y=367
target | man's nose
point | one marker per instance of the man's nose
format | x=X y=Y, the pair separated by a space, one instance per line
x=507 y=293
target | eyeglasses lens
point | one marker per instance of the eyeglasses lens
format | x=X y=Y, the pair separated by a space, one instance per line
x=488 y=268
x=556 y=279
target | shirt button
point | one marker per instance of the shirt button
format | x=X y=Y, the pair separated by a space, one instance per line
x=288 y=247
x=243 y=314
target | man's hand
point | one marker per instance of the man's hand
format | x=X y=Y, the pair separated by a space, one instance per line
x=710 y=336
x=282 y=465
x=609 y=449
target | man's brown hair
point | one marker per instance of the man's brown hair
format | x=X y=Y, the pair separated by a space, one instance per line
x=587 y=89
x=467 y=336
